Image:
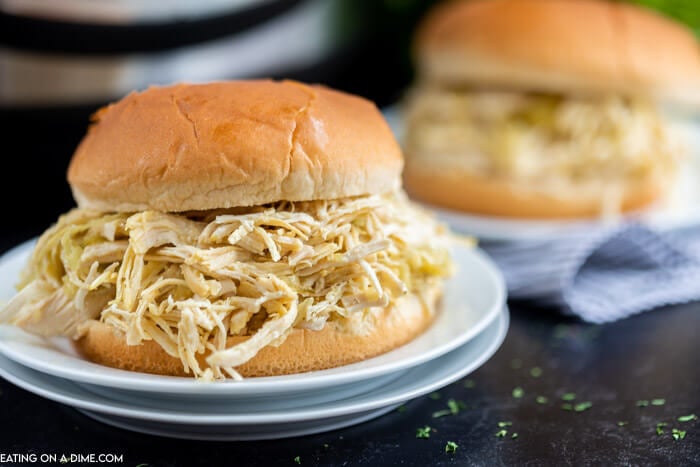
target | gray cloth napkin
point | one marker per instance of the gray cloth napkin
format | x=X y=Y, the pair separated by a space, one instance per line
x=606 y=274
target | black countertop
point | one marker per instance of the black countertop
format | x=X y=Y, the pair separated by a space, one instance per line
x=647 y=357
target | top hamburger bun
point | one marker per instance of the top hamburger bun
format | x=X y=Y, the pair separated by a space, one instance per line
x=560 y=46
x=233 y=144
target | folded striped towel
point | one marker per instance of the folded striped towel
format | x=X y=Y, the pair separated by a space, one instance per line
x=606 y=274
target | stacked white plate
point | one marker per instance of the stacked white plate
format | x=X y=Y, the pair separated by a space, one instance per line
x=470 y=326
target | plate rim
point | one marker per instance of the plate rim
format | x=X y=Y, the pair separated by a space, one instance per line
x=344 y=422
x=119 y=379
x=322 y=411
x=503 y=229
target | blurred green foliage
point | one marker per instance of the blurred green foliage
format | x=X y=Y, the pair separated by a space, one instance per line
x=685 y=11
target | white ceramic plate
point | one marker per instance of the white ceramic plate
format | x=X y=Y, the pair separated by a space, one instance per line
x=238 y=432
x=472 y=299
x=264 y=402
x=242 y=421
x=680 y=209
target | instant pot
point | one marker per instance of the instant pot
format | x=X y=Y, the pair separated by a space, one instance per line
x=60 y=60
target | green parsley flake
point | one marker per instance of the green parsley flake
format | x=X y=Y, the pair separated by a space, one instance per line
x=469 y=384
x=501 y=433
x=504 y=424
x=535 y=372
x=582 y=406
x=622 y=423
x=569 y=396
x=455 y=406
x=451 y=446
x=658 y=401
x=688 y=418
x=516 y=364
x=423 y=433
x=642 y=403
x=401 y=409
x=518 y=392
x=515 y=435
x=435 y=396
x=325 y=445
x=567 y=407
x=541 y=400
x=678 y=434
x=660 y=428
x=297 y=460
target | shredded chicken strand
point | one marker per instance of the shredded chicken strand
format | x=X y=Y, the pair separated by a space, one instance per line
x=189 y=281
x=550 y=139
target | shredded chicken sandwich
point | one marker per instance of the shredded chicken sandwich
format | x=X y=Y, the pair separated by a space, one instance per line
x=568 y=115
x=235 y=229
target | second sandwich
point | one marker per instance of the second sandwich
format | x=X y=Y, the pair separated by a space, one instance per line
x=546 y=109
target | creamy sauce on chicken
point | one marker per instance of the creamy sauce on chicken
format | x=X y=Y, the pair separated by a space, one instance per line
x=546 y=139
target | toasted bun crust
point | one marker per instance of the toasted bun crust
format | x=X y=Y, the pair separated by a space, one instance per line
x=563 y=46
x=473 y=193
x=303 y=350
x=233 y=144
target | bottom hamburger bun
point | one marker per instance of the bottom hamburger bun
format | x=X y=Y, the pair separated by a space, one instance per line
x=468 y=192
x=303 y=350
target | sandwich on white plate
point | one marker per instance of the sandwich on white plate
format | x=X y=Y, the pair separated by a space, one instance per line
x=235 y=229
x=551 y=109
